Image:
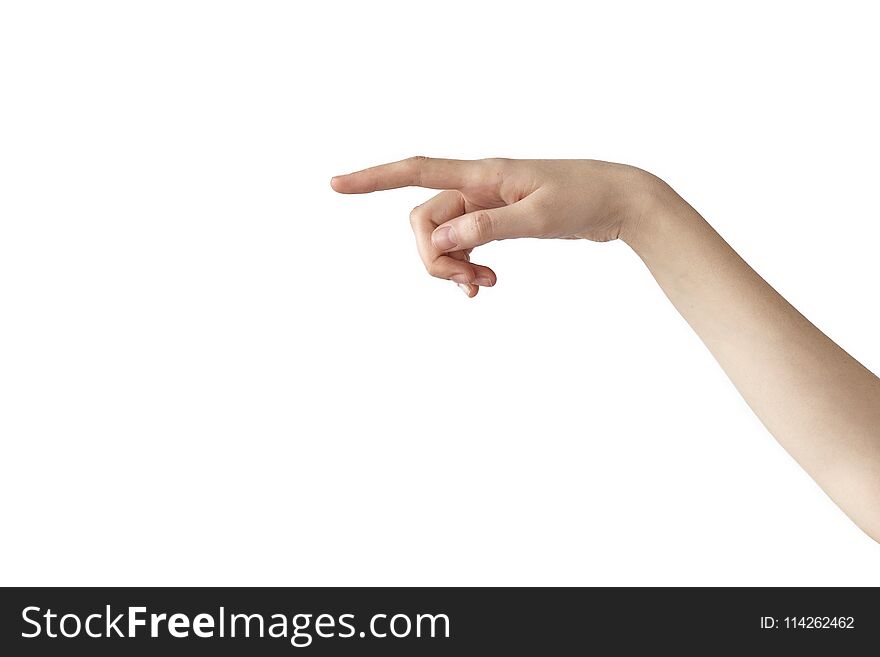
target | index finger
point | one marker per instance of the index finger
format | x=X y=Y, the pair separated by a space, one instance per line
x=429 y=172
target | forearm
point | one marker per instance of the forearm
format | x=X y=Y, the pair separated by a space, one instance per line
x=817 y=401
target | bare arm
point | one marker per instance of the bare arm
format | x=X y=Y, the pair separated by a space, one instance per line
x=822 y=405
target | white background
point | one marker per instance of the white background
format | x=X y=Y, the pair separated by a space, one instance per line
x=214 y=370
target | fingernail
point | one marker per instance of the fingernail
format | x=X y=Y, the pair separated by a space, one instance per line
x=483 y=281
x=461 y=279
x=464 y=288
x=444 y=239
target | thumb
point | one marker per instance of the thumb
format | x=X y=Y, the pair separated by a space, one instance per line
x=483 y=226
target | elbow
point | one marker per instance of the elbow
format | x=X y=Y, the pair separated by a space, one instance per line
x=874 y=532
x=870 y=521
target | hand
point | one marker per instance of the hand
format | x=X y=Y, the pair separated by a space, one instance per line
x=820 y=403
x=497 y=199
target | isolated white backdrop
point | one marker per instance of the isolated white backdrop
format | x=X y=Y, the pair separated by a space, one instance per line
x=214 y=370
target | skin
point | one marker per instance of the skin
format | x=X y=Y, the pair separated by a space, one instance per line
x=821 y=404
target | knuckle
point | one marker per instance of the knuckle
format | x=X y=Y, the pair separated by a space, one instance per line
x=483 y=226
x=433 y=269
x=493 y=170
x=415 y=163
x=415 y=214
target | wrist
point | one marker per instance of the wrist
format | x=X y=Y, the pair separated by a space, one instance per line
x=655 y=206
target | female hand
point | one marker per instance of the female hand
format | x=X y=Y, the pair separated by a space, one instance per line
x=496 y=199
x=821 y=404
